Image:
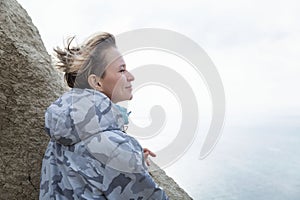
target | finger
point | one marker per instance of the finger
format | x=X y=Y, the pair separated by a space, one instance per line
x=146 y=154
x=152 y=154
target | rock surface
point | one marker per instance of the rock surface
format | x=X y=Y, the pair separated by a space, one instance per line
x=28 y=84
x=173 y=190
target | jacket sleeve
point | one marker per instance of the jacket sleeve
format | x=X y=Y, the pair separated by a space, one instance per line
x=125 y=173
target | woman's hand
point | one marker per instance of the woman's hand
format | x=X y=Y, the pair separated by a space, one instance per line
x=147 y=152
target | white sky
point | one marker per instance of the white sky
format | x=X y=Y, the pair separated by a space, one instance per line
x=255 y=44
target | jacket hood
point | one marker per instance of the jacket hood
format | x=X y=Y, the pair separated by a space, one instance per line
x=81 y=113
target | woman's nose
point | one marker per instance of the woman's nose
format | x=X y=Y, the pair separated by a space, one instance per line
x=130 y=77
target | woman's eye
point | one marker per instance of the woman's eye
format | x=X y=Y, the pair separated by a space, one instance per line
x=122 y=70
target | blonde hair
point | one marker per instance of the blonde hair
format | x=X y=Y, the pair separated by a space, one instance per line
x=78 y=62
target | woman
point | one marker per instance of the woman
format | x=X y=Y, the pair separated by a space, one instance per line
x=89 y=155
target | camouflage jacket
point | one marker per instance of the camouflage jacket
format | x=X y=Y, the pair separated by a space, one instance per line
x=89 y=156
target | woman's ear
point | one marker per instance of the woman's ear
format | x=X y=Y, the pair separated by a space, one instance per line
x=94 y=82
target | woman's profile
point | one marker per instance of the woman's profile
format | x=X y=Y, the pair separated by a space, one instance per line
x=89 y=155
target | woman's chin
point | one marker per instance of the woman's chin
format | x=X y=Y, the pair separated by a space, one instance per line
x=127 y=98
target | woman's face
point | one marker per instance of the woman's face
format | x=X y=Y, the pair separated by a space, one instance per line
x=116 y=83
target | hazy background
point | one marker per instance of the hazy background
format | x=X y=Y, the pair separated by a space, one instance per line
x=255 y=46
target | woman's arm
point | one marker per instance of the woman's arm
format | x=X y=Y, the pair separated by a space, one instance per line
x=125 y=175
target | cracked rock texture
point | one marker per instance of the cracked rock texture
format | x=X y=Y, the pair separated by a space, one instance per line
x=28 y=84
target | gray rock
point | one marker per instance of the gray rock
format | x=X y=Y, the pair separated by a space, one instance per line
x=28 y=84
x=173 y=190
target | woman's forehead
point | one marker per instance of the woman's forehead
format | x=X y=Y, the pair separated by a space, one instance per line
x=113 y=57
